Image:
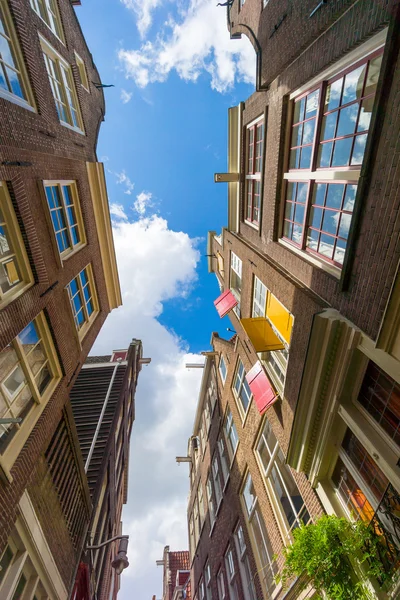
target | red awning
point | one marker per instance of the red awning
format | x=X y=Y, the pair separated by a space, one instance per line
x=225 y=302
x=81 y=589
x=263 y=393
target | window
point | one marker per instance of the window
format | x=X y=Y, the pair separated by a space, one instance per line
x=216 y=476
x=244 y=565
x=357 y=479
x=62 y=87
x=83 y=299
x=220 y=585
x=283 y=492
x=328 y=137
x=236 y=281
x=192 y=542
x=210 y=501
x=82 y=72
x=212 y=392
x=18 y=577
x=15 y=272
x=200 y=500
x=207 y=579
x=202 y=590
x=241 y=389
x=48 y=12
x=29 y=373
x=231 y=574
x=14 y=83
x=222 y=369
x=224 y=462
x=231 y=436
x=266 y=305
x=66 y=218
x=262 y=548
x=254 y=160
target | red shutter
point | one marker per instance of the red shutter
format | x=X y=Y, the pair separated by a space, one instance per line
x=225 y=302
x=263 y=393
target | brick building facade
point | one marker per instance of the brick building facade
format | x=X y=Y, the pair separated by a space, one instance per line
x=58 y=282
x=308 y=270
x=103 y=405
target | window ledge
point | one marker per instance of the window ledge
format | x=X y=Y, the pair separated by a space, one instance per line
x=315 y=262
x=17 y=100
x=228 y=478
x=72 y=128
x=252 y=225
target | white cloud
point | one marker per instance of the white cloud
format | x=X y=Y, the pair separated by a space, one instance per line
x=122 y=178
x=125 y=96
x=142 y=202
x=142 y=10
x=155 y=264
x=199 y=42
x=117 y=210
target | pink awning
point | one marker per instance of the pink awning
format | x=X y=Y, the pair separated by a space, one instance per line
x=263 y=393
x=225 y=302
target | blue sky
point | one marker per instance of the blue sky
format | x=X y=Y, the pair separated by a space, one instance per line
x=176 y=73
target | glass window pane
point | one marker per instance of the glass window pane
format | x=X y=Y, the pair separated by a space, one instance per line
x=5 y=562
x=353 y=84
x=347 y=120
x=341 y=152
x=359 y=149
x=333 y=93
x=324 y=154
x=326 y=245
x=374 y=68
x=249 y=494
x=329 y=126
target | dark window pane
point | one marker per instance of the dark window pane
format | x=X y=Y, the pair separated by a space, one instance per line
x=373 y=75
x=288 y=229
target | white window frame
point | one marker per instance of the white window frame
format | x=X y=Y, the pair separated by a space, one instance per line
x=52 y=14
x=216 y=477
x=236 y=268
x=244 y=564
x=229 y=426
x=275 y=361
x=222 y=368
x=64 y=73
x=224 y=462
x=241 y=379
x=211 y=502
x=274 y=450
x=256 y=176
x=221 y=585
x=255 y=520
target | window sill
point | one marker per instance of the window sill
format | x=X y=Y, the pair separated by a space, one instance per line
x=315 y=262
x=66 y=257
x=252 y=225
x=17 y=100
x=15 y=293
x=72 y=128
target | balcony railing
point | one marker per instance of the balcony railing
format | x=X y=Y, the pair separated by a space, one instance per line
x=386 y=524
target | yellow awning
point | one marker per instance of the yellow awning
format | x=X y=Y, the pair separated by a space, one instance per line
x=261 y=334
x=280 y=317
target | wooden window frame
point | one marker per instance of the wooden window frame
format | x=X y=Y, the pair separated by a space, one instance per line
x=285 y=528
x=65 y=80
x=312 y=176
x=89 y=319
x=253 y=176
x=237 y=394
x=22 y=430
x=277 y=357
x=80 y=63
x=19 y=251
x=28 y=102
x=253 y=513
x=236 y=266
x=54 y=12
x=73 y=248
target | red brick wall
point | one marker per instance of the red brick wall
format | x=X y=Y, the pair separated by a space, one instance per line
x=213 y=546
x=375 y=251
x=61 y=155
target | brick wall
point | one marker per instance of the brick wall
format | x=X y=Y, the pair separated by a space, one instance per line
x=364 y=290
x=213 y=544
x=55 y=152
